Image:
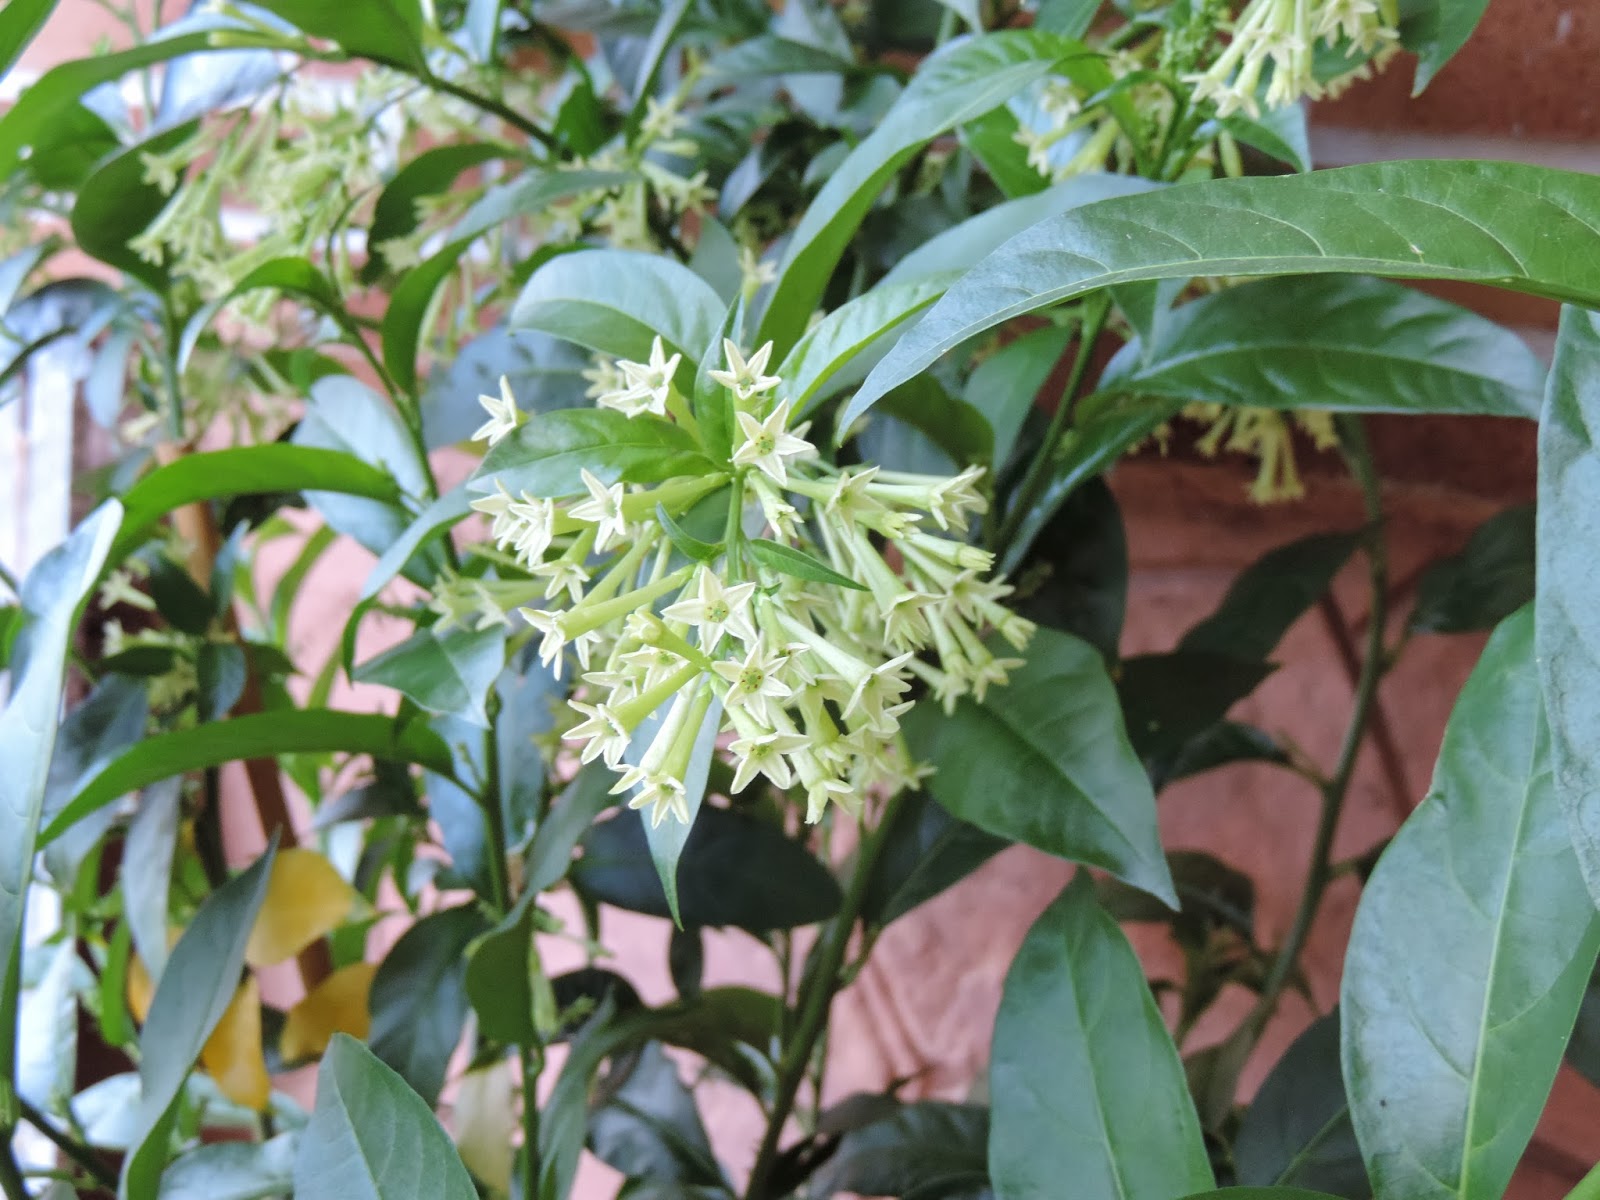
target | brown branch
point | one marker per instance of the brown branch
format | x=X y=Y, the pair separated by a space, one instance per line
x=1390 y=760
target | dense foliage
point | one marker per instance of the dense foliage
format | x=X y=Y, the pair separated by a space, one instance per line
x=782 y=592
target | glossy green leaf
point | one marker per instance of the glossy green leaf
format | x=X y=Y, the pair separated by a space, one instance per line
x=786 y=560
x=684 y=541
x=1524 y=228
x=569 y=818
x=1006 y=385
x=409 y=304
x=1480 y=887
x=386 y=31
x=1085 y=1082
x=922 y=423
x=733 y=870
x=1568 y=572
x=449 y=672
x=419 y=998
x=930 y=1149
x=221 y=670
x=964 y=80
x=372 y=1137
x=56 y=92
x=966 y=244
x=244 y=471
x=617 y=301
x=1488 y=581
x=51 y=596
x=499 y=979
x=233 y=1171
x=440 y=516
x=1218 y=745
x=1297 y=1130
x=429 y=173
x=1334 y=342
x=116 y=204
x=254 y=735
x=19 y=21
x=548 y=453
x=1434 y=30
x=1280 y=133
x=1269 y=596
x=651 y=1128
x=1045 y=760
x=197 y=986
x=829 y=356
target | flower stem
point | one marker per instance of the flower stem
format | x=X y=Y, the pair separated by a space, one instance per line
x=816 y=1000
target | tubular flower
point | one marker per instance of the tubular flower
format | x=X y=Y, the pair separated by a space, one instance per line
x=799 y=634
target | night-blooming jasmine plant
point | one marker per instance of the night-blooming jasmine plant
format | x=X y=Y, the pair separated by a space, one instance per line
x=832 y=591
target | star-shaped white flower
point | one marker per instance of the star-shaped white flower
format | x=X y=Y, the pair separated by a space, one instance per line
x=755 y=680
x=603 y=509
x=716 y=609
x=504 y=415
x=763 y=754
x=603 y=734
x=767 y=444
x=649 y=383
x=659 y=792
x=744 y=377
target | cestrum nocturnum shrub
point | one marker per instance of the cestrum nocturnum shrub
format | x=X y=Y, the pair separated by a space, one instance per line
x=798 y=634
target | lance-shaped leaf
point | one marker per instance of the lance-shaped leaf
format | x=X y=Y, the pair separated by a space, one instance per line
x=548 y=453
x=1085 y=1080
x=51 y=596
x=1334 y=342
x=1531 y=229
x=1045 y=760
x=1568 y=575
x=1470 y=952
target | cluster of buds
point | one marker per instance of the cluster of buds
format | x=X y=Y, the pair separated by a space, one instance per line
x=799 y=636
x=1275 y=41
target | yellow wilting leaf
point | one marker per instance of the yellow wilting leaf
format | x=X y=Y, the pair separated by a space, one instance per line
x=306 y=898
x=485 y=1121
x=140 y=990
x=336 y=1005
x=232 y=1054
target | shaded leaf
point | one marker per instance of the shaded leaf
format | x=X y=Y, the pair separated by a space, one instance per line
x=548 y=452
x=1483 y=585
x=448 y=672
x=930 y=1150
x=1269 y=596
x=926 y=851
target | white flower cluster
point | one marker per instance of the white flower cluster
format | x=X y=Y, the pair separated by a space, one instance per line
x=809 y=646
x=1277 y=40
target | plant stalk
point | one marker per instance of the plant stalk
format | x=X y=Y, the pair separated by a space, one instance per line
x=79 y=1153
x=817 y=1001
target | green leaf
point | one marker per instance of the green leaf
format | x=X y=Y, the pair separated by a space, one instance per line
x=430 y=173
x=1169 y=699
x=828 y=358
x=617 y=301
x=449 y=672
x=419 y=998
x=1347 y=344
x=1434 y=30
x=569 y=818
x=734 y=870
x=930 y=1149
x=686 y=542
x=386 y=31
x=786 y=560
x=765 y=56
x=1261 y=1193
x=146 y=876
x=233 y=1171
x=1524 y=228
x=113 y=717
x=244 y=471
x=55 y=93
x=291 y=276
x=1297 y=1130
x=532 y=193
x=499 y=979
x=1006 y=385
x=949 y=428
x=19 y=22
x=1278 y=132
x=564 y=1118
x=255 y=735
x=548 y=453
x=197 y=986
x=1480 y=887
x=116 y=204
x=1044 y=760
x=440 y=515
x=1270 y=596
x=1568 y=573
x=373 y=1138
x=1076 y=579
x=925 y=851
x=409 y=302
x=1085 y=1081
x=1214 y=896
x=964 y=80
x=51 y=597
x=651 y=1129
x=1483 y=585
x=1071 y=17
